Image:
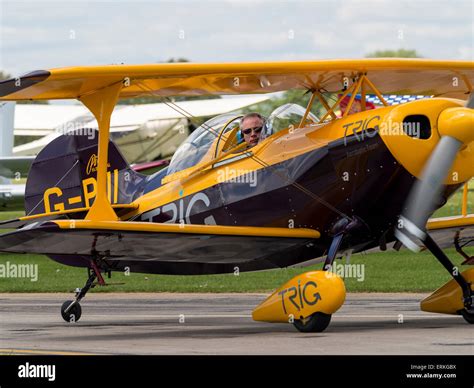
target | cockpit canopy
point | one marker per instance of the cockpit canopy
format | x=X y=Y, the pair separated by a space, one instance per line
x=193 y=149
x=198 y=144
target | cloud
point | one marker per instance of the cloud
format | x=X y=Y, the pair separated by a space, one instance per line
x=37 y=34
x=466 y=53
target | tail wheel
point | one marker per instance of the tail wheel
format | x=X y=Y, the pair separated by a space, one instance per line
x=315 y=323
x=74 y=313
x=468 y=316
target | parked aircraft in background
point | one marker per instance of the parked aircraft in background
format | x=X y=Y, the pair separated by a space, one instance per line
x=13 y=169
x=143 y=132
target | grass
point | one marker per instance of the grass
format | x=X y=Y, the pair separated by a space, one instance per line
x=390 y=271
x=453 y=206
x=383 y=272
x=10 y=215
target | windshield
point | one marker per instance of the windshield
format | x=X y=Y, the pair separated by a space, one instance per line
x=198 y=143
x=287 y=115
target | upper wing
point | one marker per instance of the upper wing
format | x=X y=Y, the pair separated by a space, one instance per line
x=165 y=248
x=391 y=76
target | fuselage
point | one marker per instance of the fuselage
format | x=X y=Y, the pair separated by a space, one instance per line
x=349 y=175
x=359 y=166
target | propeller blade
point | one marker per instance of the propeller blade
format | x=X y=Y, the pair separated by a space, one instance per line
x=426 y=194
x=456 y=128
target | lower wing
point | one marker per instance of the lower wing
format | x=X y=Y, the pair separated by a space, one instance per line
x=457 y=232
x=164 y=248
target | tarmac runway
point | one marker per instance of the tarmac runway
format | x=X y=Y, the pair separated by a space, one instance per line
x=222 y=324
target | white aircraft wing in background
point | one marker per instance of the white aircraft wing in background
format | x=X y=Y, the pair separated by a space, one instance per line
x=145 y=132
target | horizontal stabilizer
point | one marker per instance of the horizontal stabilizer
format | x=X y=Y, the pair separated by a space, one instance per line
x=23 y=221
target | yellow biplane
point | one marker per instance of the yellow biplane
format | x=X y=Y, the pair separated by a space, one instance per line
x=313 y=187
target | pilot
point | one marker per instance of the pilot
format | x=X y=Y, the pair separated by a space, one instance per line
x=251 y=126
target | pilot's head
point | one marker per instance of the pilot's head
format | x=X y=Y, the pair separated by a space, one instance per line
x=251 y=126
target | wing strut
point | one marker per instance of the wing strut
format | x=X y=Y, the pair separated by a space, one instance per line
x=101 y=103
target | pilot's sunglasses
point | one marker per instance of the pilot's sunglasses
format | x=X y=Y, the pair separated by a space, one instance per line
x=248 y=130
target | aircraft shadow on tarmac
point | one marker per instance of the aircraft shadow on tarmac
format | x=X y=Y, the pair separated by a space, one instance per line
x=218 y=328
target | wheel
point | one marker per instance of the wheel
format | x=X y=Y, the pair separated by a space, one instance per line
x=74 y=313
x=468 y=316
x=315 y=323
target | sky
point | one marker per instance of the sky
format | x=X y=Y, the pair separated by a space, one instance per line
x=47 y=34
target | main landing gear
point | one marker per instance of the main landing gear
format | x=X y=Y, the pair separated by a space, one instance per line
x=468 y=295
x=71 y=310
x=316 y=323
x=319 y=321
